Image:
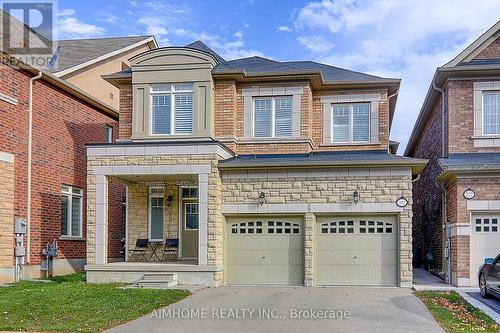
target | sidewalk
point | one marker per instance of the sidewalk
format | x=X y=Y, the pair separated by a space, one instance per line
x=423 y=280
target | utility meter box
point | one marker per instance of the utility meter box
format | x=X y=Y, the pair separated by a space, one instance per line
x=20 y=225
x=20 y=251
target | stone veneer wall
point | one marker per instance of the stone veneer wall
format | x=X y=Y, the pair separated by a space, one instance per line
x=6 y=216
x=291 y=187
x=215 y=226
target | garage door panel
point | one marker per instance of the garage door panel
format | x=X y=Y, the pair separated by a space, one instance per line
x=272 y=256
x=484 y=241
x=367 y=255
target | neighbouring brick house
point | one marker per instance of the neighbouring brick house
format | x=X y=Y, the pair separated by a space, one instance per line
x=457 y=198
x=64 y=120
x=264 y=172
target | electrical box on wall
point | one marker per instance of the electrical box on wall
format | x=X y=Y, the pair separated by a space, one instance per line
x=20 y=251
x=20 y=225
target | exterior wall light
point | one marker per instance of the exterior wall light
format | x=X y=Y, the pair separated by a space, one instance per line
x=170 y=199
x=355 y=197
x=262 y=198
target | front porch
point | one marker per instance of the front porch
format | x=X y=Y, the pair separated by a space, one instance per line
x=168 y=206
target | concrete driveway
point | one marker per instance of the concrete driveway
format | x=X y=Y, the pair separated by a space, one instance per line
x=277 y=309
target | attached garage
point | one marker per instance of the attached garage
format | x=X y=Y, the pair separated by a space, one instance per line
x=357 y=250
x=484 y=241
x=264 y=250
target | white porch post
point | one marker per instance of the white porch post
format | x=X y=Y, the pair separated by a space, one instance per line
x=101 y=220
x=203 y=219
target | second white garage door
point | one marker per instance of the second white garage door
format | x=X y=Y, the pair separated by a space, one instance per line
x=357 y=250
x=484 y=241
x=264 y=250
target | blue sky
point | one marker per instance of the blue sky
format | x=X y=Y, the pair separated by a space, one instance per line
x=405 y=39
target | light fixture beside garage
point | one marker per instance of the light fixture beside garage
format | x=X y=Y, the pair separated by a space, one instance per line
x=262 y=198
x=469 y=193
x=355 y=197
x=402 y=202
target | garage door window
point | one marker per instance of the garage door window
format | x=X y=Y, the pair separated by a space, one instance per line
x=268 y=227
x=486 y=225
x=357 y=227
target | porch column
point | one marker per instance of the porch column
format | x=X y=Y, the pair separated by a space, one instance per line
x=203 y=218
x=101 y=220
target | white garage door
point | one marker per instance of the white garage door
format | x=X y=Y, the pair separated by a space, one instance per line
x=357 y=250
x=484 y=241
x=264 y=251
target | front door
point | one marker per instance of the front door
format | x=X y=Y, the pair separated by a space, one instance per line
x=189 y=222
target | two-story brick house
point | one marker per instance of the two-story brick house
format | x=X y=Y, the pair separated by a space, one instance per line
x=64 y=118
x=457 y=198
x=265 y=172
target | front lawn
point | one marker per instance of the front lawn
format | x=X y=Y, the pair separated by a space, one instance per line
x=67 y=303
x=454 y=314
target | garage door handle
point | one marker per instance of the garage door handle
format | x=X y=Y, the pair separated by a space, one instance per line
x=354 y=257
x=263 y=258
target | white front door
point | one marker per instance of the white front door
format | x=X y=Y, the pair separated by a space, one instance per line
x=155 y=230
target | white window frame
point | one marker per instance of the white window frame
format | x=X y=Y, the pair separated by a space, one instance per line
x=155 y=195
x=273 y=116
x=109 y=134
x=68 y=192
x=351 y=123
x=172 y=92
x=483 y=93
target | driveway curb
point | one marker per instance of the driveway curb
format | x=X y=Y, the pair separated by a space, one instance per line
x=483 y=307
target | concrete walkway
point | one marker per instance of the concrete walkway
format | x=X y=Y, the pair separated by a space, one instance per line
x=423 y=280
x=291 y=309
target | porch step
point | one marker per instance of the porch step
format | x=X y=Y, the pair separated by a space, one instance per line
x=156 y=284
x=163 y=276
x=158 y=280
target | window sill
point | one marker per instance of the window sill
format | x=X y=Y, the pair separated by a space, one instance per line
x=72 y=238
x=487 y=136
x=350 y=144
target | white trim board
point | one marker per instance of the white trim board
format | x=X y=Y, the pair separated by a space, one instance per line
x=6 y=157
x=483 y=205
x=302 y=208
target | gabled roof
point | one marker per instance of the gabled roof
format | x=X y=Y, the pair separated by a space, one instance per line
x=471 y=161
x=477 y=46
x=465 y=65
x=78 y=53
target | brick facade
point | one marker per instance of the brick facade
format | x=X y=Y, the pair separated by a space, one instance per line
x=62 y=125
x=491 y=51
x=6 y=217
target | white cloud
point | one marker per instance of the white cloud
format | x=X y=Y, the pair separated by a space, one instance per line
x=69 y=26
x=285 y=28
x=316 y=44
x=405 y=39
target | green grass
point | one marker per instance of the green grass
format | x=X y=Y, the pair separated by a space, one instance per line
x=69 y=304
x=454 y=314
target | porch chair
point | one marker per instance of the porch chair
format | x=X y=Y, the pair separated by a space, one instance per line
x=139 y=252
x=170 y=250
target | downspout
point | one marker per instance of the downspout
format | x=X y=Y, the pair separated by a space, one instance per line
x=443 y=153
x=30 y=143
x=444 y=202
x=388 y=101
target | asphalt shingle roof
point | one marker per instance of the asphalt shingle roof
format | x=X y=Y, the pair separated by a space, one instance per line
x=471 y=161
x=322 y=158
x=77 y=51
x=257 y=64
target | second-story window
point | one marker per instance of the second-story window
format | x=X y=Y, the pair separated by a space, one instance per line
x=172 y=108
x=273 y=117
x=491 y=113
x=351 y=123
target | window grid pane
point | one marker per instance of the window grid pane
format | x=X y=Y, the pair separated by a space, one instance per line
x=75 y=216
x=263 y=118
x=184 y=113
x=64 y=215
x=161 y=114
x=283 y=117
x=491 y=113
x=360 y=122
x=340 y=123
